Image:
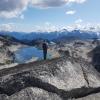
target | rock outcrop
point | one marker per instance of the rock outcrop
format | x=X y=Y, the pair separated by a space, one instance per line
x=56 y=79
x=95 y=55
x=6 y=56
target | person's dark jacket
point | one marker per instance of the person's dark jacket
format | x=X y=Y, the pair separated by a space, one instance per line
x=45 y=47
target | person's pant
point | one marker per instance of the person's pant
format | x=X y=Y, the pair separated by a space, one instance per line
x=45 y=54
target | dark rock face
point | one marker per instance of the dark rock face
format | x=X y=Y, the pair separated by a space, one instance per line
x=64 y=53
x=56 y=79
x=96 y=58
x=90 y=97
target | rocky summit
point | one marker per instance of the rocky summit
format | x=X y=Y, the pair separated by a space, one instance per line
x=62 y=78
x=49 y=50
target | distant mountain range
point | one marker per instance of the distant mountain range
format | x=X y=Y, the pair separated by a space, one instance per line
x=55 y=35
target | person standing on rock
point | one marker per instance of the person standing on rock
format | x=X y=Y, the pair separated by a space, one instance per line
x=45 y=47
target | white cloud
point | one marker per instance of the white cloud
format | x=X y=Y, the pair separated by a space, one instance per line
x=76 y=1
x=78 y=21
x=14 y=8
x=54 y=3
x=49 y=27
x=7 y=27
x=46 y=27
x=48 y=3
x=85 y=27
x=71 y=12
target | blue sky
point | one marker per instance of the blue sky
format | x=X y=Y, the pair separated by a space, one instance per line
x=32 y=15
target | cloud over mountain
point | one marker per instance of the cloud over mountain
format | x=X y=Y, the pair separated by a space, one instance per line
x=7 y=27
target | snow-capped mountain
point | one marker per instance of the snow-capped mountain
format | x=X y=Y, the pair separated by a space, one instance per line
x=83 y=33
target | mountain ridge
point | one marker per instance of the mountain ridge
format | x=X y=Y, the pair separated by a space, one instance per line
x=28 y=38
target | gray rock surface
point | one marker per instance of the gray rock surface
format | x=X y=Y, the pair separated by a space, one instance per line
x=6 y=56
x=31 y=94
x=64 y=77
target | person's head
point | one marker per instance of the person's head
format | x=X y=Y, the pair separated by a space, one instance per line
x=44 y=41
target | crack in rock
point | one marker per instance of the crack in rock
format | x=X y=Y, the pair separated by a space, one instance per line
x=18 y=83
